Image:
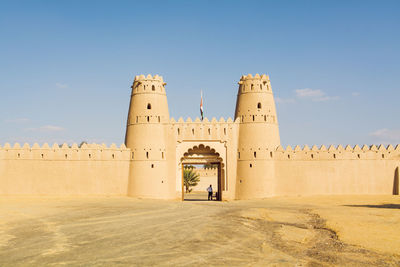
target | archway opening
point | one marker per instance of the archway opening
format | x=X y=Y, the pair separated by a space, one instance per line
x=202 y=171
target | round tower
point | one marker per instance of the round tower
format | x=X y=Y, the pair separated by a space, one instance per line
x=258 y=137
x=146 y=137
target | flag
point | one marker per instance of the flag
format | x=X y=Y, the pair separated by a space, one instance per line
x=201 y=105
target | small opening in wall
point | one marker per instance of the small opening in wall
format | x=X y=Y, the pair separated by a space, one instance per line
x=265 y=117
x=147 y=154
x=255 y=154
x=162 y=154
x=253 y=117
x=240 y=181
x=148 y=106
x=251 y=165
x=358 y=155
x=288 y=156
x=137 y=119
x=312 y=156
x=193 y=131
x=19 y=155
x=334 y=156
x=242 y=118
x=252 y=86
x=152 y=165
x=260 y=86
x=179 y=131
x=42 y=155
x=383 y=156
x=259 y=105
x=224 y=131
x=270 y=153
x=90 y=156
x=66 y=156
x=239 y=155
x=162 y=181
x=153 y=88
x=113 y=156
x=144 y=87
x=148 y=118
x=159 y=119
x=133 y=154
x=209 y=131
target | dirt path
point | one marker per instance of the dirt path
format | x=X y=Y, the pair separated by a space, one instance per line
x=126 y=232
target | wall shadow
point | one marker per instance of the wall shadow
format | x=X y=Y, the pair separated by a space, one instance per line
x=396 y=181
x=381 y=206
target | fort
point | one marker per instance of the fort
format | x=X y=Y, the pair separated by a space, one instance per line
x=251 y=162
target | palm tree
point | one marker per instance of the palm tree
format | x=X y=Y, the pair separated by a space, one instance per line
x=190 y=179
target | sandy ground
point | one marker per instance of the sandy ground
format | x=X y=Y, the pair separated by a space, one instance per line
x=112 y=231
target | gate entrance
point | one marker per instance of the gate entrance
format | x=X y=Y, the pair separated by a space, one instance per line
x=204 y=156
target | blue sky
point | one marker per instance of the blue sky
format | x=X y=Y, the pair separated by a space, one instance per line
x=66 y=67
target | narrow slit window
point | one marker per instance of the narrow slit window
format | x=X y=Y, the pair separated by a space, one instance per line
x=148 y=119
x=265 y=117
x=270 y=153
x=137 y=119
x=159 y=119
x=253 y=117
x=334 y=156
x=66 y=156
x=148 y=106
x=133 y=154
x=209 y=131
x=358 y=155
x=193 y=131
x=113 y=156
x=383 y=156
x=252 y=86
x=312 y=156
x=162 y=155
x=152 y=165
x=239 y=155
x=19 y=155
x=251 y=165
x=147 y=155
x=255 y=154
x=90 y=156
x=153 y=88
x=225 y=131
x=288 y=156
x=259 y=105
x=42 y=155
x=179 y=131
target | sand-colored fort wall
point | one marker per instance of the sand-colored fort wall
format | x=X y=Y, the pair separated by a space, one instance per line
x=89 y=170
x=208 y=176
x=336 y=170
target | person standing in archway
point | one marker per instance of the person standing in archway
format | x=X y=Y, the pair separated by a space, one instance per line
x=210 y=192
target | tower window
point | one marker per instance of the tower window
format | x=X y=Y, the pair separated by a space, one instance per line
x=147 y=155
x=260 y=86
x=152 y=165
x=265 y=117
x=153 y=88
x=113 y=156
x=133 y=154
x=259 y=105
x=242 y=118
x=252 y=86
x=148 y=106
x=312 y=156
x=334 y=156
x=383 y=156
x=251 y=165
x=90 y=156
x=19 y=155
x=358 y=155
x=193 y=131
x=136 y=119
x=42 y=156
x=255 y=154
x=225 y=131
x=209 y=131
x=179 y=131
x=148 y=118
x=66 y=156
x=162 y=154
x=159 y=119
x=253 y=117
x=288 y=156
x=239 y=155
x=270 y=153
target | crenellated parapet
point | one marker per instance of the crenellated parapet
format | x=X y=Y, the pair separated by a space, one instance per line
x=56 y=152
x=203 y=130
x=148 y=84
x=339 y=152
x=256 y=83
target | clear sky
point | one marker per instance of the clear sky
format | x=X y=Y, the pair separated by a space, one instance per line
x=66 y=67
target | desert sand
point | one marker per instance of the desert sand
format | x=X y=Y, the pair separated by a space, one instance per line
x=122 y=231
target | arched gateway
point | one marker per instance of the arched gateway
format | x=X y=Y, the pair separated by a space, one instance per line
x=205 y=155
x=161 y=146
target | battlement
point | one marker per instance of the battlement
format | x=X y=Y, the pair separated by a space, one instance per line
x=205 y=120
x=64 y=152
x=149 y=77
x=256 y=77
x=339 y=152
